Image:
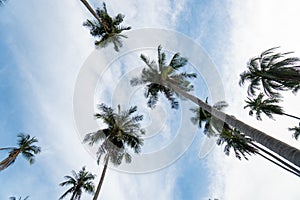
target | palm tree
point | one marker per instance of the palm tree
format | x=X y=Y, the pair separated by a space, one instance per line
x=234 y=139
x=296 y=130
x=20 y=198
x=266 y=106
x=105 y=28
x=161 y=74
x=121 y=135
x=273 y=71
x=162 y=77
x=25 y=147
x=79 y=181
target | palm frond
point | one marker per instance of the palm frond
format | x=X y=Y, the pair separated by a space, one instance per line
x=236 y=141
x=92 y=138
x=107 y=30
x=267 y=106
x=123 y=133
x=296 y=131
x=273 y=72
x=177 y=61
x=69 y=191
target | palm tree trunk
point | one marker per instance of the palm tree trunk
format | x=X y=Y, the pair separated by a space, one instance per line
x=278 y=164
x=285 y=115
x=87 y=5
x=277 y=158
x=101 y=180
x=286 y=151
x=10 y=159
x=283 y=164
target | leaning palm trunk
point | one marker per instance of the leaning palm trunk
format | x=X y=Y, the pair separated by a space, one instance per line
x=9 y=160
x=87 y=5
x=286 y=151
x=288 y=167
x=283 y=167
x=295 y=117
x=101 y=179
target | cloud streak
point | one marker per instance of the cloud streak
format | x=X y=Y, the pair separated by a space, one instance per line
x=257 y=26
x=49 y=46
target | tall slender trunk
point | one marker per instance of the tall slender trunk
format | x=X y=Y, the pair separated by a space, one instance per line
x=283 y=167
x=101 y=179
x=87 y=5
x=290 y=167
x=295 y=117
x=288 y=152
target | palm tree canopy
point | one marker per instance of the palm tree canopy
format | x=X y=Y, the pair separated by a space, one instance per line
x=266 y=106
x=79 y=181
x=273 y=72
x=26 y=147
x=123 y=132
x=109 y=31
x=158 y=75
x=232 y=138
x=237 y=141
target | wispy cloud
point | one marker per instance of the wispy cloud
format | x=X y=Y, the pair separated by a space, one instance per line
x=50 y=44
x=257 y=26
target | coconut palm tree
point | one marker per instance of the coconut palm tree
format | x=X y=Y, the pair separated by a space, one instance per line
x=273 y=71
x=157 y=75
x=161 y=77
x=20 y=198
x=266 y=106
x=105 y=28
x=83 y=180
x=121 y=135
x=25 y=147
x=296 y=130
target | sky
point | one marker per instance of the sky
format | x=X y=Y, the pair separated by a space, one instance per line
x=44 y=48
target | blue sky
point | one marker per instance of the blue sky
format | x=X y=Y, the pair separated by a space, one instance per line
x=42 y=49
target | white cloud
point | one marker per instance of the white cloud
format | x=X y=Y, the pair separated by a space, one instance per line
x=257 y=26
x=141 y=14
x=50 y=45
